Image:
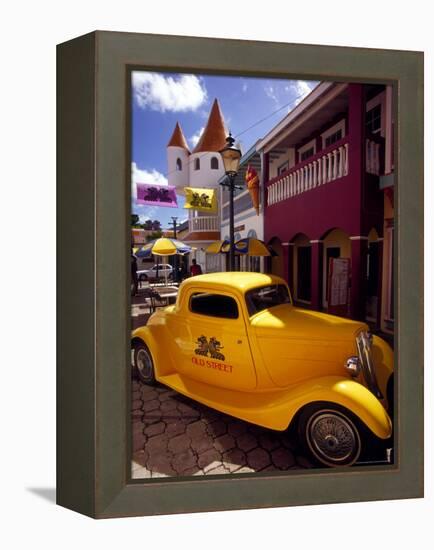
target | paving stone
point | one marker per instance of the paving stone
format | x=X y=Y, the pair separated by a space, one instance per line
x=151 y=405
x=155 y=429
x=179 y=443
x=258 y=459
x=161 y=464
x=167 y=395
x=208 y=458
x=146 y=389
x=224 y=442
x=237 y=428
x=217 y=428
x=152 y=417
x=183 y=460
x=269 y=441
x=167 y=406
x=136 y=404
x=247 y=442
x=175 y=427
x=282 y=458
x=157 y=444
x=201 y=443
x=137 y=394
x=234 y=459
x=186 y=409
x=197 y=428
x=137 y=427
x=191 y=471
x=139 y=442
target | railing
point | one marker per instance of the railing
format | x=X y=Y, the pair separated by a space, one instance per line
x=204 y=223
x=328 y=165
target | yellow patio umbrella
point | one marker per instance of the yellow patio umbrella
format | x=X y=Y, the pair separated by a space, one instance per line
x=251 y=247
x=248 y=246
x=217 y=247
x=163 y=246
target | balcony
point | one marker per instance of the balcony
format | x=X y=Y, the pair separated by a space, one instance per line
x=328 y=165
x=203 y=223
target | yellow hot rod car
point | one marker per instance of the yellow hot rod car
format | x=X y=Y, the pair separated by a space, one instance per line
x=236 y=343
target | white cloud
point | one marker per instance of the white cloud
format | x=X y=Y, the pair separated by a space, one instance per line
x=302 y=88
x=144 y=176
x=168 y=93
x=196 y=137
x=271 y=93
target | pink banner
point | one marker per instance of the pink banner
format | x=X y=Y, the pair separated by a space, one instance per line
x=156 y=195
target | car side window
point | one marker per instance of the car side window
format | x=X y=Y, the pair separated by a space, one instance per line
x=214 y=305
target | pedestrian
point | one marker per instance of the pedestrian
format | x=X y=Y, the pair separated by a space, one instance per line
x=195 y=268
x=134 y=280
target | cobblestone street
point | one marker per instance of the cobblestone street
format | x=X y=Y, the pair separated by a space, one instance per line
x=172 y=435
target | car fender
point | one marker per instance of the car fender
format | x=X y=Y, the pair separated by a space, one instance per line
x=344 y=392
x=161 y=358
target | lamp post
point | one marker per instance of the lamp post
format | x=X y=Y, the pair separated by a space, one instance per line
x=175 y=260
x=231 y=161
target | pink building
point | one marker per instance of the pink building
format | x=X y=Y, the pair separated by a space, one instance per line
x=328 y=174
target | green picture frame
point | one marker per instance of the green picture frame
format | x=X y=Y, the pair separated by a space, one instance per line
x=93 y=392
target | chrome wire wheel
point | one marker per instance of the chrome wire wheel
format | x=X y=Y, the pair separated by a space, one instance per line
x=332 y=438
x=144 y=364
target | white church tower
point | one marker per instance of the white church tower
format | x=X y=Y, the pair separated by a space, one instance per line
x=203 y=167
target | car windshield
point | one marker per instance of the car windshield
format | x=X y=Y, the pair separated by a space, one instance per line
x=265 y=297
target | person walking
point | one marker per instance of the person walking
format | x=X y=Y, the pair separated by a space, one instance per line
x=195 y=268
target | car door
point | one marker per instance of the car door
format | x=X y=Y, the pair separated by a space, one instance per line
x=210 y=340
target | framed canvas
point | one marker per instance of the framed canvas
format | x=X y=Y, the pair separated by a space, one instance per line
x=104 y=418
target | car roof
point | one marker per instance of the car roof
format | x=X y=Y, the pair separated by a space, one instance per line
x=240 y=280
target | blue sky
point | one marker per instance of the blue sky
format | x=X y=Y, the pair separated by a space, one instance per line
x=162 y=99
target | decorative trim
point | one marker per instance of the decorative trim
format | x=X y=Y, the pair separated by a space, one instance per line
x=315 y=241
x=358 y=238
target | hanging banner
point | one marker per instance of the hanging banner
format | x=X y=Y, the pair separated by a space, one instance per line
x=204 y=200
x=156 y=195
x=252 y=181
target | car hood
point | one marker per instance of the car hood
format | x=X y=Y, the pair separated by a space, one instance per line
x=295 y=344
x=297 y=322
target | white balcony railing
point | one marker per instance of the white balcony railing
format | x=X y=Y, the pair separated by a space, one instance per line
x=326 y=167
x=203 y=223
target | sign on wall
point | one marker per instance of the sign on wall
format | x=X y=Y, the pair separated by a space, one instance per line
x=339 y=286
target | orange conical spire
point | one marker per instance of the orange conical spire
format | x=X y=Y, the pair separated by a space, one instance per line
x=214 y=135
x=178 y=139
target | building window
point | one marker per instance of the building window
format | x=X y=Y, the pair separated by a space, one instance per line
x=307 y=154
x=373 y=119
x=304 y=267
x=179 y=164
x=282 y=168
x=333 y=138
x=197 y=164
x=214 y=163
x=214 y=305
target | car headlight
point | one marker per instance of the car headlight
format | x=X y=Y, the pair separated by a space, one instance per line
x=353 y=366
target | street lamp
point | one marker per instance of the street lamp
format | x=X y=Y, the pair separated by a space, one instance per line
x=175 y=260
x=231 y=161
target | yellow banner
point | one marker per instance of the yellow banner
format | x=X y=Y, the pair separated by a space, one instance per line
x=204 y=200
